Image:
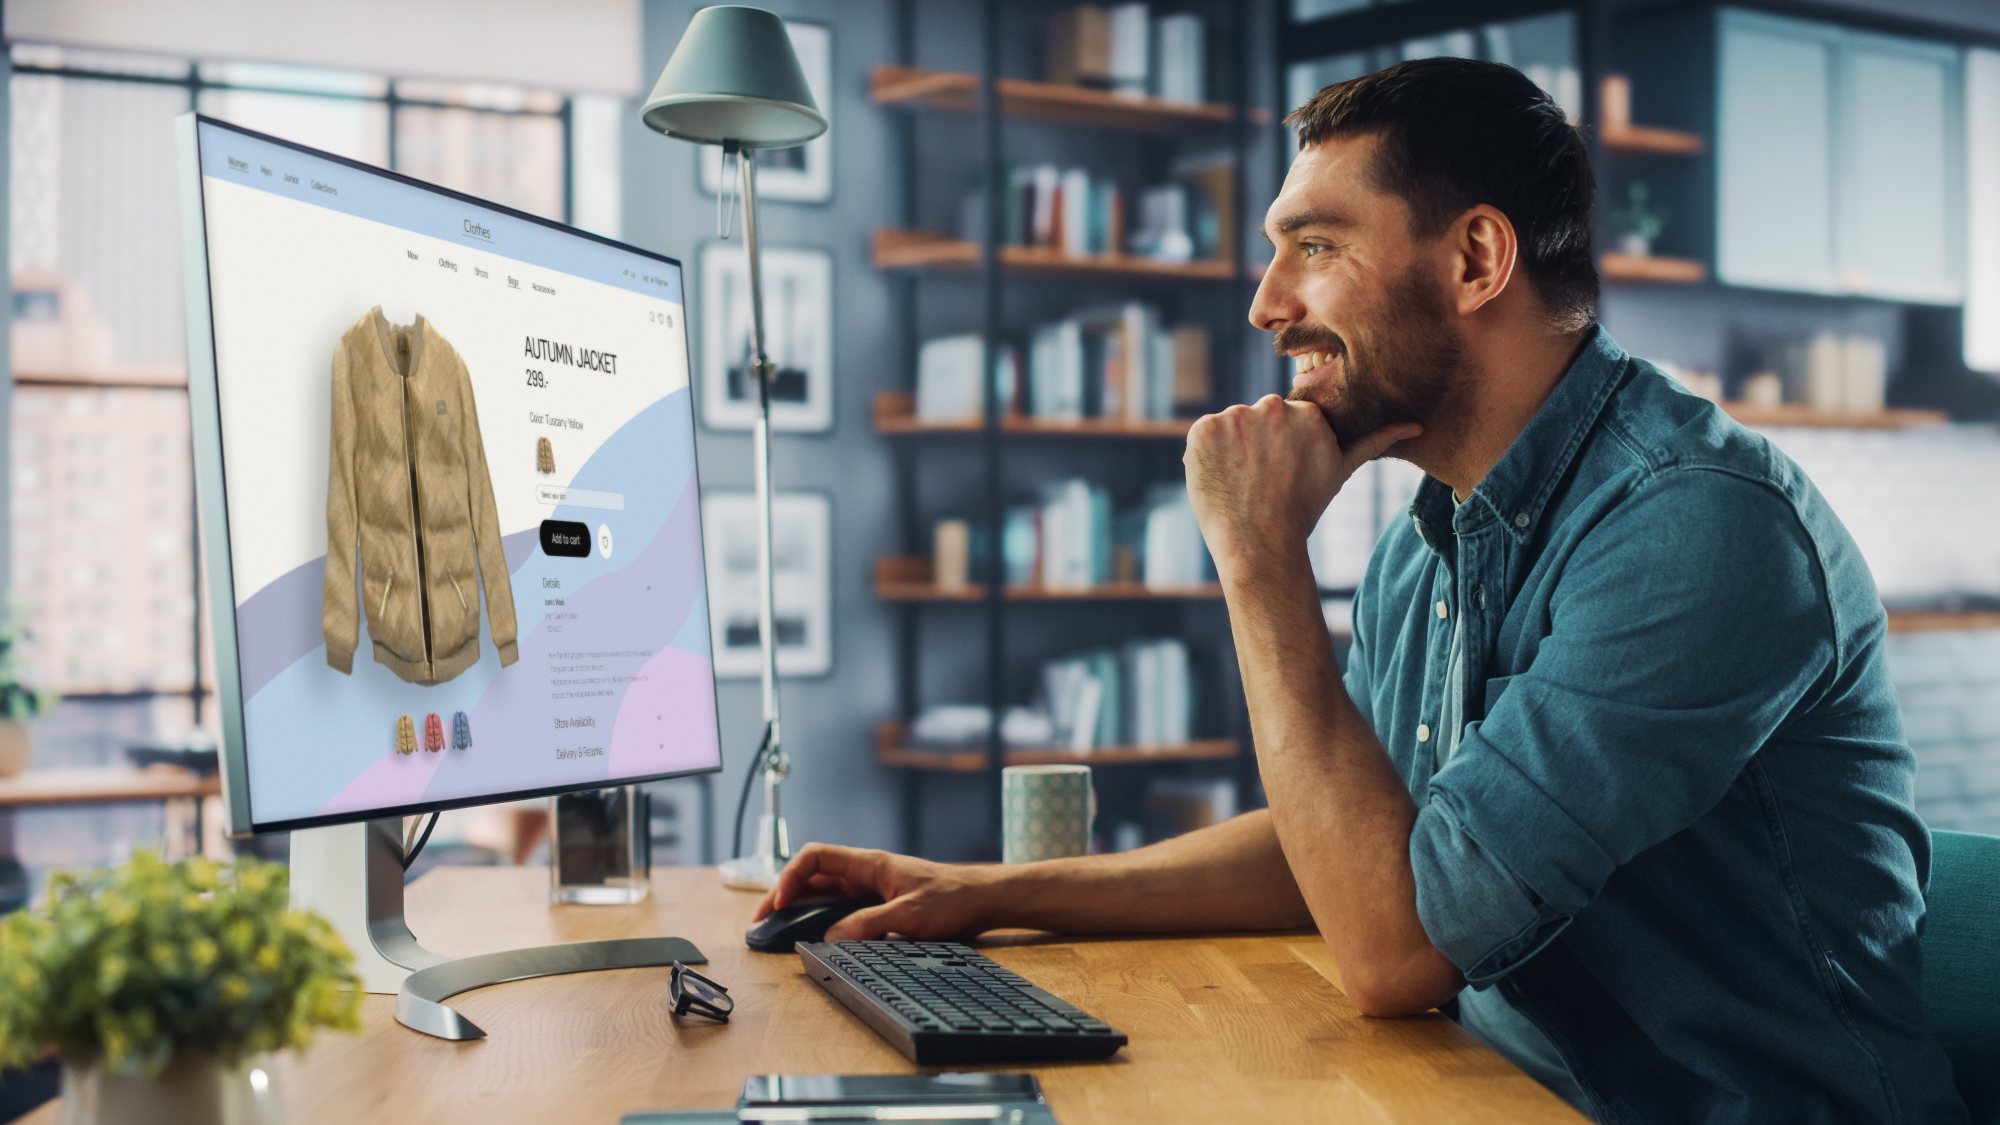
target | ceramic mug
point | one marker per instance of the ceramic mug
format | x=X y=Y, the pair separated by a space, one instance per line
x=1045 y=812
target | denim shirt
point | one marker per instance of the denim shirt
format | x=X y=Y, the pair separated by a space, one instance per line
x=1676 y=832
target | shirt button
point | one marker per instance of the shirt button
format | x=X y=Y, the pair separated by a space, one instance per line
x=1443 y=611
x=1423 y=732
x=1521 y=520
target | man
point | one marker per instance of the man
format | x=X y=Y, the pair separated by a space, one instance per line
x=1615 y=774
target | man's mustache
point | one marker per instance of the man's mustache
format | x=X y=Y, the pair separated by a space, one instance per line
x=1308 y=338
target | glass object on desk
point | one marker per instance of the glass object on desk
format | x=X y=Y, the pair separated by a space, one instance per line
x=600 y=846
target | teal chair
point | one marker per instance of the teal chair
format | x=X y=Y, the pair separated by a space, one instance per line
x=1962 y=965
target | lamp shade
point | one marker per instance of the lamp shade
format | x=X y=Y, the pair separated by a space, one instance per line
x=734 y=77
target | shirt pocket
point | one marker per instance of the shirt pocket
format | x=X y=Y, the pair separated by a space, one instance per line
x=1496 y=687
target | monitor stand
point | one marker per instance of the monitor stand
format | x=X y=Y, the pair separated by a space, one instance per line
x=352 y=874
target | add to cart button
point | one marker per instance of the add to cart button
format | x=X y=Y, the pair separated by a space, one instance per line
x=580 y=497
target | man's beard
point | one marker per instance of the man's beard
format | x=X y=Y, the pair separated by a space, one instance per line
x=1409 y=375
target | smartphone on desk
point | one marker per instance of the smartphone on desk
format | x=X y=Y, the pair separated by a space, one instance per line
x=909 y=1099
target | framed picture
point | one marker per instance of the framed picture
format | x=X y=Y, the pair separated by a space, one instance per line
x=801 y=580
x=803 y=173
x=798 y=333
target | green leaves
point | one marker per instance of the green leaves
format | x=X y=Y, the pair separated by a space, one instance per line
x=126 y=967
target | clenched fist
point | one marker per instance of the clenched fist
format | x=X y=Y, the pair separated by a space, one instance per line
x=1259 y=476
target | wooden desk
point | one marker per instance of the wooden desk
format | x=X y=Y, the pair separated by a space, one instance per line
x=105 y=786
x=1228 y=1028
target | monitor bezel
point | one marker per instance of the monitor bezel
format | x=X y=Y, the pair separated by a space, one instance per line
x=212 y=498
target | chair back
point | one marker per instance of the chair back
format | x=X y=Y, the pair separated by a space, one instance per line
x=1962 y=965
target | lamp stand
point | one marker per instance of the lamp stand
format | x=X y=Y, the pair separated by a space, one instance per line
x=759 y=870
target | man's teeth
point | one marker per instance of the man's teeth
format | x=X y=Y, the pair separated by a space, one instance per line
x=1310 y=361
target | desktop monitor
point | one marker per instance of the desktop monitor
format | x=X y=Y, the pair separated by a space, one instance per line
x=445 y=459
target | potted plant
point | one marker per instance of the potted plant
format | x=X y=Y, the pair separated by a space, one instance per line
x=17 y=700
x=1637 y=223
x=165 y=988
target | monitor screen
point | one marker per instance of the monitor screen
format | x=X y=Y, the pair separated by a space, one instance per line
x=445 y=456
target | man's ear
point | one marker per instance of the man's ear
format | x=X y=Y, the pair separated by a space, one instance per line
x=1485 y=252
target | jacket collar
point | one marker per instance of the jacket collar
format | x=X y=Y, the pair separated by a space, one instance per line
x=1518 y=487
x=386 y=334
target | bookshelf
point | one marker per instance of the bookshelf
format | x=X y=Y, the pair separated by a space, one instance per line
x=1799 y=414
x=1614 y=266
x=1936 y=621
x=896 y=413
x=909 y=578
x=976 y=467
x=915 y=249
x=892 y=749
x=955 y=92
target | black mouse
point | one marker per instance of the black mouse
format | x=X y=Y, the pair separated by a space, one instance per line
x=805 y=920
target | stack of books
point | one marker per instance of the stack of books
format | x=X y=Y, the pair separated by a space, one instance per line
x=1129 y=51
x=1116 y=362
x=1072 y=541
x=1138 y=695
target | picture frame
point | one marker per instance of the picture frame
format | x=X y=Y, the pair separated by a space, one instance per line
x=801 y=580
x=798 y=336
x=802 y=174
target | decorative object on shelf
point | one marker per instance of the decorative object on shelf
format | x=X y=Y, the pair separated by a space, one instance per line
x=1046 y=812
x=1764 y=390
x=166 y=988
x=1638 y=221
x=1845 y=374
x=18 y=701
x=801 y=583
x=951 y=554
x=801 y=173
x=734 y=80
x=1704 y=384
x=799 y=342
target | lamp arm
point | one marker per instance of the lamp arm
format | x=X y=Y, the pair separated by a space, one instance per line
x=776 y=763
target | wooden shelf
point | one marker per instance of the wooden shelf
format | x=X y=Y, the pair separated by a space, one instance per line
x=1797 y=414
x=896 y=413
x=1616 y=131
x=1615 y=266
x=916 y=249
x=108 y=785
x=905 y=578
x=891 y=751
x=1933 y=621
x=1045 y=101
x=1645 y=138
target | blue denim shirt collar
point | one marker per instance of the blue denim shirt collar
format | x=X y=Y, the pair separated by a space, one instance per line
x=1519 y=486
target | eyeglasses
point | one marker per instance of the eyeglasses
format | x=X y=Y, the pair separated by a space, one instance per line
x=696 y=993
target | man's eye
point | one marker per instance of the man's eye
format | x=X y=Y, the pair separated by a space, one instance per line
x=1311 y=249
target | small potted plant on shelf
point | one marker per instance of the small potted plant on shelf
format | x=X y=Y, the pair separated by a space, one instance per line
x=166 y=988
x=18 y=701
x=1637 y=222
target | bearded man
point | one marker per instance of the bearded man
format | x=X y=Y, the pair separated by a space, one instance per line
x=1615 y=775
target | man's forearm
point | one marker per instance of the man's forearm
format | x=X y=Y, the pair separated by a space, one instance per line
x=1231 y=876
x=1338 y=806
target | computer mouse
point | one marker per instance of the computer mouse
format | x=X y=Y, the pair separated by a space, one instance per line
x=804 y=920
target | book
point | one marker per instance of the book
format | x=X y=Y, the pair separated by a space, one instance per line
x=1079 y=47
x=948 y=378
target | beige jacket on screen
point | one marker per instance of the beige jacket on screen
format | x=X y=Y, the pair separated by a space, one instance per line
x=407 y=493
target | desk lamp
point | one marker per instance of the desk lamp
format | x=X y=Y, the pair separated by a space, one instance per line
x=734 y=81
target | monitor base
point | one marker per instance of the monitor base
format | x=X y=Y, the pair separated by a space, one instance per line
x=352 y=875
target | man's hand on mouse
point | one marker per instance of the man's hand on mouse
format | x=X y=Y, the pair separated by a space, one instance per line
x=1260 y=476
x=920 y=899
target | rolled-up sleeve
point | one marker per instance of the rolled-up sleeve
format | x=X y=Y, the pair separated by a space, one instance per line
x=1691 y=619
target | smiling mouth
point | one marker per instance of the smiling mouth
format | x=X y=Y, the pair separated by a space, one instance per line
x=1306 y=363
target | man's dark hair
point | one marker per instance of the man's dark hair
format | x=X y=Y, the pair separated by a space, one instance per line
x=1456 y=133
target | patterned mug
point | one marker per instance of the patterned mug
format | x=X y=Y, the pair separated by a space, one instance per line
x=1045 y=812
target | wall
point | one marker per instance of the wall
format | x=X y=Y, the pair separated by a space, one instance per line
x=836 y=791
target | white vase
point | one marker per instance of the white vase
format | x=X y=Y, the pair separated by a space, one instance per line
x=194 y=1089
x=17 y=746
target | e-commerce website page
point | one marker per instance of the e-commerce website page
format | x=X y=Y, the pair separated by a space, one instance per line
x=460 y=486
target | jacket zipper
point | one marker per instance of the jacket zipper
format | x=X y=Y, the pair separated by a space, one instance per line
x=416 y=511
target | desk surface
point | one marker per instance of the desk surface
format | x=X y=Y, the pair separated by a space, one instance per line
x=104 y=786
x=1233 y=1027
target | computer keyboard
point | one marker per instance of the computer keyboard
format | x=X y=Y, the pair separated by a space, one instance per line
x=941 y=1002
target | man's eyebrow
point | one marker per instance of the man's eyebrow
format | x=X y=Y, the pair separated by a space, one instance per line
x=1309 y=218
